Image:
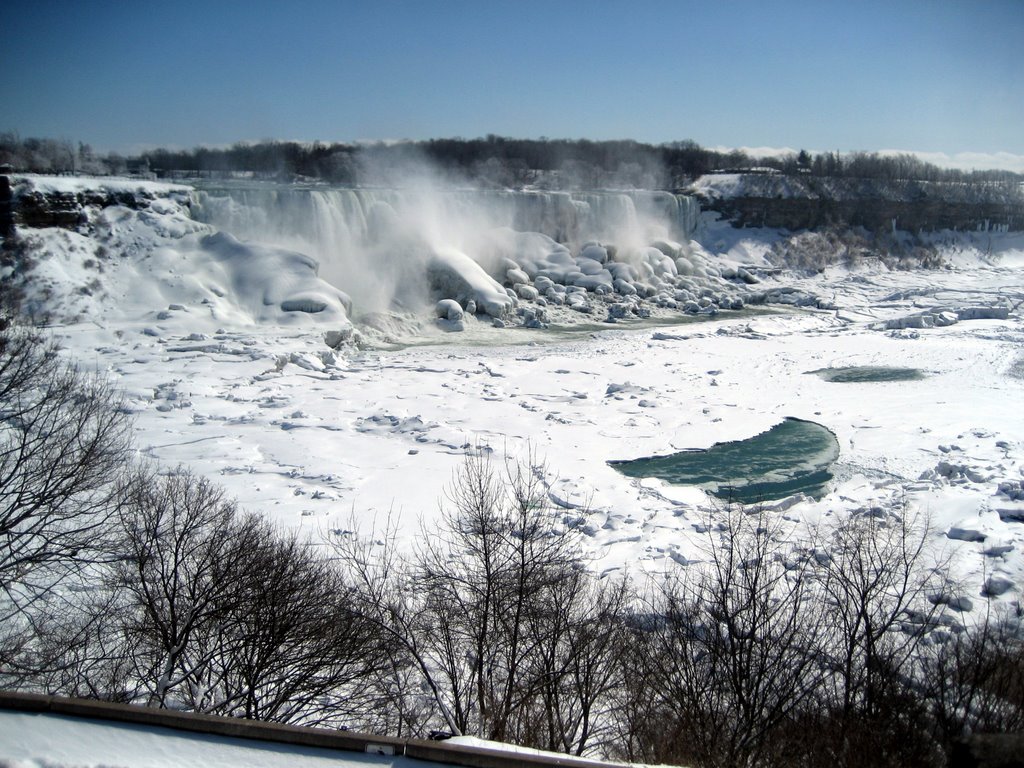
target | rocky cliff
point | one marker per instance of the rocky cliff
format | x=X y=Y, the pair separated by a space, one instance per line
x=746 y=200
x=806 y=202
x=62 y=201
x=6 y=208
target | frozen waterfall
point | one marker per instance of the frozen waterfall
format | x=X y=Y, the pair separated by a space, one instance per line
x=490 y=250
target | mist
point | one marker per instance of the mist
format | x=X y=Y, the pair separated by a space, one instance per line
x=415 y=233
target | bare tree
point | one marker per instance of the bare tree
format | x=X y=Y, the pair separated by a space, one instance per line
x=876 y=574
x=80 y=649
x=496 y=614
x=64 y=437
x=184 y=548
x=733 y=655
x=974 y=678
x=645 y=726
x=579 y=634
x=293 y=648
x=499 y=555
x=386 y=595
x=205 y=608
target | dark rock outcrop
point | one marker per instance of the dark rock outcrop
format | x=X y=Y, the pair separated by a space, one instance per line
x=806 y=202
x=873 y=215
x=23 y=206
x=6 y=208
x=53 y=209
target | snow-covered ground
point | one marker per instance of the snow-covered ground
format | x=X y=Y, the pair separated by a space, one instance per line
x=221 y=378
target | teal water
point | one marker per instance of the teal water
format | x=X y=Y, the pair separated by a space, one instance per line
x=794 y=456
x=866 y=373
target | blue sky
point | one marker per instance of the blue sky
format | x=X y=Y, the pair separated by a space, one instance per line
x=934 y=76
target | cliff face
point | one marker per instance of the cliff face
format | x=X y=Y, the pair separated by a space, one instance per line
x=746 y=200
x=6 y=208
x=63 y=203
x=795 y=203
x=795 y=214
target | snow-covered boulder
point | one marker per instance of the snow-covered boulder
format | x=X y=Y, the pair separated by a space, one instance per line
x=516 y=276
x=449 y=309
x=454 y=275
x=595 y=252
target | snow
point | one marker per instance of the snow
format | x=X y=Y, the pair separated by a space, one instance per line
x=309 y=440
x=456 y=274
x=76 y=185
x=45 y=740
x=137 y=263
x=29 y=740
x=223 y=359
x=478 y=743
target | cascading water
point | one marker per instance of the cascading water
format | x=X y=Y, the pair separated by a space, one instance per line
x=403 y=248
x=287 y=214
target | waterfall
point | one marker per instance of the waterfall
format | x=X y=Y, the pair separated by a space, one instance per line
x=384 y=246
x=321 y=221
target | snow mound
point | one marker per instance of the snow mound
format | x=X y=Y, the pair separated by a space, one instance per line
x=269 y=284
x=454 y=275
x=138 y=255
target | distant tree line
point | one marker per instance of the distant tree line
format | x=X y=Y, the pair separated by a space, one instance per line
x=148 y=585
x=61 y=156
x=492 y=161
x=333 y=163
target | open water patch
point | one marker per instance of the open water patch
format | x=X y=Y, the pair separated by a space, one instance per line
x=794 y=456
x=858 y=374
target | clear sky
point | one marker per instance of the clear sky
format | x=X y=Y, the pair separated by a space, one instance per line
x=941 y=76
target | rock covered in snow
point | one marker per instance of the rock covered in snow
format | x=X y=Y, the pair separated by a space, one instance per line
x=337 y=338
x=527 y=292
x=449 y=309
x=261 y=277
x=955 y=602
x=453 y=274
x=965 y=534
x=516 y=277
x=1012 y=489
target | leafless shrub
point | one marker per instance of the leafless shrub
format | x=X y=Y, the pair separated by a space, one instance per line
x=974 y=679
x=220 y=613
x=184 y=547
x=294 y=649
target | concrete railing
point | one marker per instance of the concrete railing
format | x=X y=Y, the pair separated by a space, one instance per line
x=347 y=741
